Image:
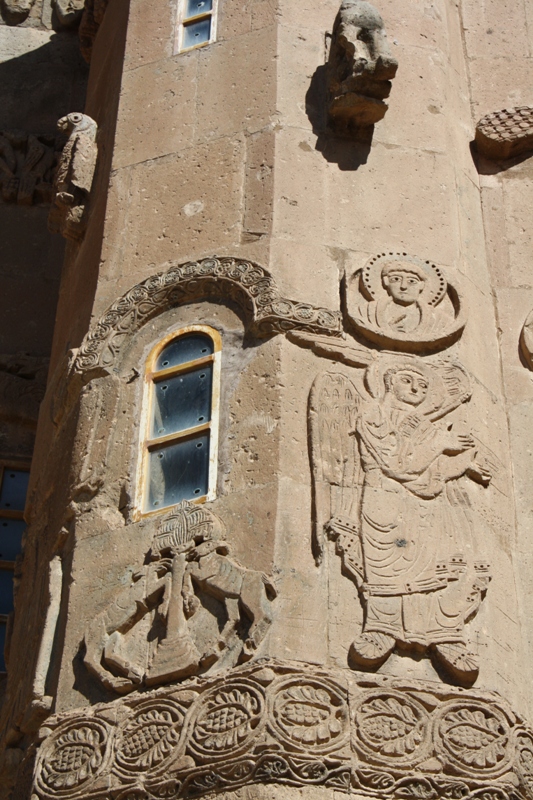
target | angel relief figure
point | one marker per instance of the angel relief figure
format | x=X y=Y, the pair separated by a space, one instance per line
x=388 y=453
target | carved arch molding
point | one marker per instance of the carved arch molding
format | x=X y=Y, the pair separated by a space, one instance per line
x=264 y=311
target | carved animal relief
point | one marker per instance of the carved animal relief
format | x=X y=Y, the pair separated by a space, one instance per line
x=505 y=134
x=360 y=69
x=189 y=572
x=27 y=164
x=276 y=722
x=403 y=303
x=74 y=177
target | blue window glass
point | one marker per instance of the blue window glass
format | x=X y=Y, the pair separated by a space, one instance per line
x=14 y=489
x=195 y=7
x=11 y=531
x=182 y=401
x=2 y=645
x=6 y=591
x=196 y=33
x=183 y=349
x=181 y=411
x=179 y=471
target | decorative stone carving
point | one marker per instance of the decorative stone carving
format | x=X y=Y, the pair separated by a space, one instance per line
x=188 y=555
x=74 y=176
x=269 y=721
x=403 y=303
x=16 y=11
x=505 y=134
x=360 y=68
x=387 y=455
x=526 y=340
x=69 y=12
x=22 y=387
x=247 y=284
x=27 y=164
x=93 y=16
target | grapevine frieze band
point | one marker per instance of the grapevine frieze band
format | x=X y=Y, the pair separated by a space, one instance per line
x=278 y=722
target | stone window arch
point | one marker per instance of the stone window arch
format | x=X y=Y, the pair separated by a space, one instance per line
x=179 y=443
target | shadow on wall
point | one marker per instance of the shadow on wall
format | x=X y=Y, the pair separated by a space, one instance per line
x=42 y=85
x=348 y=154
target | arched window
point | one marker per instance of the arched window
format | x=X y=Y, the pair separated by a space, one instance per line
x=179 y=455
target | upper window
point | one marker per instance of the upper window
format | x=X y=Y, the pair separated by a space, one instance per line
x=196 y=23
x=181 y=399
x=13 y=489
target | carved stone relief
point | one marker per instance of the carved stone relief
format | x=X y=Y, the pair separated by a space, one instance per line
x=360 y=68
x=22 y=387
x=247 y=284
x=389 y=451
x=281 y=723
x=27 y=165
x=526 y=340
x=404 y=303
x=16 y=11
x=74 y=176
x=189 y=559
x=505 y=134
x=92 y=18
x=69 y=12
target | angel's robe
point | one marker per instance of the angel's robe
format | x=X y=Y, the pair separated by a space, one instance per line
x=408 y=528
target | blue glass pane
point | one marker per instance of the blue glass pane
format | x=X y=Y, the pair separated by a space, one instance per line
x=11 y=531
x=14 y=488
x=185 y=348
x=196 y=33
x=182 y=401
x=2 y=645
x=178 y=472
x=6 y=591
x=195 y=7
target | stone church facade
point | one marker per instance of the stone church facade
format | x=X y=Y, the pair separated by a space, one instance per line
x=266 y=359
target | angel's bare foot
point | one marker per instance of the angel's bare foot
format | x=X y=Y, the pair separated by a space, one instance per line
x=456 y=659
x=371 y=649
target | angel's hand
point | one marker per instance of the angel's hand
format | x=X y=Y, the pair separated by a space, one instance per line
x=459 y=444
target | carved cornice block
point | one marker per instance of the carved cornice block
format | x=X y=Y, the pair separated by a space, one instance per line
x=284 y=723
x=506 y=133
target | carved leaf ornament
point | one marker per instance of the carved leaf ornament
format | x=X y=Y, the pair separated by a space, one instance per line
x=376 y=737
x=78 y=756
x=151 y=735
x=391 y=727
x=310 y=716
x=226 y=720
x=475 y=737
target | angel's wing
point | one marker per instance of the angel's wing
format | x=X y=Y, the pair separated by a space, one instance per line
x=335 y=461
x=334 y=347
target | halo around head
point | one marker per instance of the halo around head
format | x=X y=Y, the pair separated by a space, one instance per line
x=426 y=270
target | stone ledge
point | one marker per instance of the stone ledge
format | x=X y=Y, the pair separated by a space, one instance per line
x=273 y=722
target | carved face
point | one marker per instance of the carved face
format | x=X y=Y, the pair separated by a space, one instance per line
x=409 y=386
x=404 y=287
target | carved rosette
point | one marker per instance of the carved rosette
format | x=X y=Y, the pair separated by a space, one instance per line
x=281 y=723
x=247 y=284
